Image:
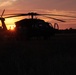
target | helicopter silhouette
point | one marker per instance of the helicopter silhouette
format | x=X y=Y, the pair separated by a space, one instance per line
x=33 y=27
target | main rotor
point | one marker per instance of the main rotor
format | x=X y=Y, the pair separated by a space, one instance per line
x=33 y=14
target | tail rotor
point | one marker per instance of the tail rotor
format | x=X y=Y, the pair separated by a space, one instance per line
x=2 y=13
x=2 y=20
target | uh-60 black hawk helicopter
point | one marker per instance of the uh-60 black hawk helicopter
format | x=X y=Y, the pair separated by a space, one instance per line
x=33 y=27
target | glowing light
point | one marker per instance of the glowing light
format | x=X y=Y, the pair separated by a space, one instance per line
x=11 y=27
x=10 y=23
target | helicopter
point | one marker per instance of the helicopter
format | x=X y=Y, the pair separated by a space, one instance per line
x=33 y=26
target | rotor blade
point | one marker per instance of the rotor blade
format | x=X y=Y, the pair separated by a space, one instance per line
x=3 y=12
x=55 y=19
x=16 y=15
x=59 y=15
x=35 y=14
x=24 y=14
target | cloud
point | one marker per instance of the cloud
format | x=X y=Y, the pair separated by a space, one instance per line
x=14 y=0
x=7 y=3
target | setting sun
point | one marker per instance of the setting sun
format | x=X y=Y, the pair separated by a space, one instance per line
x=11 y=27
x=10 y=23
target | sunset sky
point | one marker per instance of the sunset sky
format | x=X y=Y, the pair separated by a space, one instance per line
x=65 y=7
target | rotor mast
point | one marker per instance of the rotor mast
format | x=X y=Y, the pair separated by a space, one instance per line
x=32 y=14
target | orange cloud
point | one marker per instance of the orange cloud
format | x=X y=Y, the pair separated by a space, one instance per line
x=6 y=3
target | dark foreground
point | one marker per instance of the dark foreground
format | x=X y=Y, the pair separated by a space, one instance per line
x=56 y=56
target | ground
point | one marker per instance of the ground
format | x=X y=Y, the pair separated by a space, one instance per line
x=56 y=56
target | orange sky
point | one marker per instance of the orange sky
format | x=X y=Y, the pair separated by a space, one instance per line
x=65 y=7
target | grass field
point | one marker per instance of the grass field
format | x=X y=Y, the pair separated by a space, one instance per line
x=56 y=56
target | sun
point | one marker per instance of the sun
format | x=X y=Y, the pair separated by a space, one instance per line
x=10 y=23
x=11 y=27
